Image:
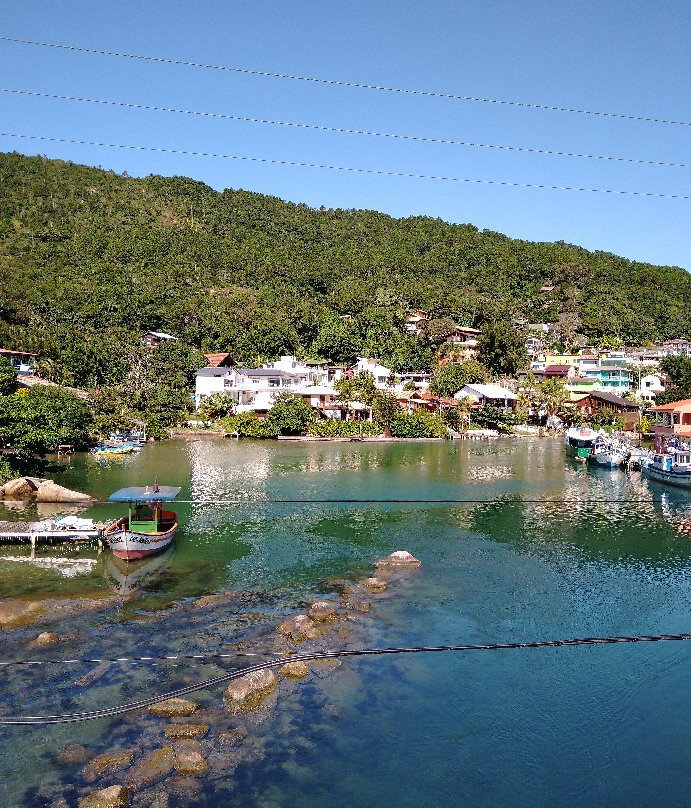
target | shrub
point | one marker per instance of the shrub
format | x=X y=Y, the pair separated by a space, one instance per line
x=419 y=424
x=250 y=425
x=332 y=428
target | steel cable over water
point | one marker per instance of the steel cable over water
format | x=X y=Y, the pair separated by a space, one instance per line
x=111 y=712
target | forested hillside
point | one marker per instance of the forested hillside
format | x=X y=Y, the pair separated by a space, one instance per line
x=90 y=259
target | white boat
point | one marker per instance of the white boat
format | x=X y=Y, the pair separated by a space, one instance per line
x=608 y=452
x=579 y=441
x=672 y=466
x=147 y=528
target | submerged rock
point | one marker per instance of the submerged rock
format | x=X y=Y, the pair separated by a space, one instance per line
x=44 y=638
x=157 y=765
x=71 y=754
x=375 y=584
x=249 y=691
x=294 y=670
x=399 y=558
x=176 y=731
x=15 y=612
x=111 y=797
x=110 y=761
x=173 y=708
x=232 y=737
x=323 y=611
x=189 y=759
x=299 y=628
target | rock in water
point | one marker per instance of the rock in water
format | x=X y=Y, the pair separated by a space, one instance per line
x=323 y=611
x=399 y=558
x=71 y=754
x=375 y=584
x=177 y=731
x=44 y=638
x=173 y=708
x=294 y=670
x=48 y=491
x=112 y=797
x=21 y=488
x=40 y=490
x=108 y=762
x=249 y=691
x=189 y=759
x=157 y=765
x=299 y=628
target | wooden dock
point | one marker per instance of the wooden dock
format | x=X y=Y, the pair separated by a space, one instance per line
x=36 y=533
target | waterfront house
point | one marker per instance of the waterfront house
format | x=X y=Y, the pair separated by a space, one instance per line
x=155 y=338
x=22 y=361
x=671 y=419
x=597 y=400
x=493 y=395
x=380 y=373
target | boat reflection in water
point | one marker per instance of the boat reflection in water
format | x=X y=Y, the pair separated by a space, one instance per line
x=130 y=576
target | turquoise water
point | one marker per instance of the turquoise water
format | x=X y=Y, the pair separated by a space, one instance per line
x=537 y=556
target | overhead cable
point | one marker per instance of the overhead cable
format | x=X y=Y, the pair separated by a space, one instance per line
x=110 y=712
x=343 y=83
x=349 y=169
x=342 y=130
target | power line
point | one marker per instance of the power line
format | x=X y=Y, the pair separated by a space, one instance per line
x=341 y=130
x=350 y=169
x=343 y=83
x=110 y=712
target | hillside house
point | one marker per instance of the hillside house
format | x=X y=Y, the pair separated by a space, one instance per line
x=464 y=341
x=650 y=385
x=414 y=321
x=218 y=360
x=492 y=395
x=153 y=339
x=380 y=373
x=22 y=361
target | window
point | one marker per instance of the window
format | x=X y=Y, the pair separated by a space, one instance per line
x=274 y=382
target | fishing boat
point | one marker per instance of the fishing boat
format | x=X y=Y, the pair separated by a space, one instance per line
x=608 y=452
x=147 y=528
x=672 y=466
x=579 y=441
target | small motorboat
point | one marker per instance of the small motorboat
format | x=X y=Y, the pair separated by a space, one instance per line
x=579 y=441
x=147 y=528
x=608 y=452
x=672 y=466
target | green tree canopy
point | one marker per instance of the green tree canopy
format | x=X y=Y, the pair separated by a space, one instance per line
x=451 y=378
x=502 y=348
x=8 y=378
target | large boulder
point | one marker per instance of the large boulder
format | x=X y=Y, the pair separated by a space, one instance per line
x=397 y=559
x=323 y=611
x=38 y=489
x=299 y=628
x=21 y=488
x=249 y=691
x=108 y=762
x=48 y=491
x=111 y=797
x=173 y=708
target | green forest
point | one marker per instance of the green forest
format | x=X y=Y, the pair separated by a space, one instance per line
x=91 y=259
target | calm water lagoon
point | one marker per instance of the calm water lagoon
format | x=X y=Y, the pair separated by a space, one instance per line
x=540 y=553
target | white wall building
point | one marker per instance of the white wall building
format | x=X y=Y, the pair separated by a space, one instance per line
x=380 y=373
x=493 y=394
x=650 y=386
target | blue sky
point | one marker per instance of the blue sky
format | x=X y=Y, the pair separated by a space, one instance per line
x=631 y=57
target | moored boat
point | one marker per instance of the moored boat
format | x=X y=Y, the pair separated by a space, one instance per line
x=579 y=441
x=672 y=466
x=147 y=528
x=608 y=452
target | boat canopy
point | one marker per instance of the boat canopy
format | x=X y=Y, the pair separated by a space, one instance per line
x=150 y=493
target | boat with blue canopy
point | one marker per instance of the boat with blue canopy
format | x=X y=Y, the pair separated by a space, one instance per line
x=148 y=528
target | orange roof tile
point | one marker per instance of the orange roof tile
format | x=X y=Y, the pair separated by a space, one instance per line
x=673 y=405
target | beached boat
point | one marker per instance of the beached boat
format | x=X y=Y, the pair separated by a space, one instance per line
x=579 y=441
x=147 y=528
x=672 y=466
x=608 y=452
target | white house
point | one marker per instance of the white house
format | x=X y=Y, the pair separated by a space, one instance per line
x=21 y=361
x=380 y=373
x=155 y=338
x=650 y=386
x=492 y=394
x=414 y=321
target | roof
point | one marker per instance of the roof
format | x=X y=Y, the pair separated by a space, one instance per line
x=160 y=335
x=213 y=371
x=546 y=288
x=558 y=370
x=163 y=493
x=264 y=372
x=490 y=390
x=610 y=398
x=215 y=359
x=17 y=353
x=673 y=405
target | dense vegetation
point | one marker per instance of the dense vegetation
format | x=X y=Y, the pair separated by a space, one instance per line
x=91 y=259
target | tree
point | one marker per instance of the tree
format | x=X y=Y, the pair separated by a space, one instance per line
x=337 y=340
x=215 y=406
x=438 y=330
x=43 y=418
x=291 y=415
x=551 y=395
x=502 y=348
x=451 y=378
x=8 y=378
x=678 y=368
x=385 y=409
x=490 y=417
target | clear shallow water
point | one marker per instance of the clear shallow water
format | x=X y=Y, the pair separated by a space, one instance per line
x=570 y=726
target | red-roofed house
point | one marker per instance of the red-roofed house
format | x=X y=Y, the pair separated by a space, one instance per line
x=671 y=419
x=218 y=360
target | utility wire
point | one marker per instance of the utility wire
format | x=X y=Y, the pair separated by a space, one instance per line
x=343 y=83
x=350 y=169
x=404 y=500
x=111 y=712
x=343 y=130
